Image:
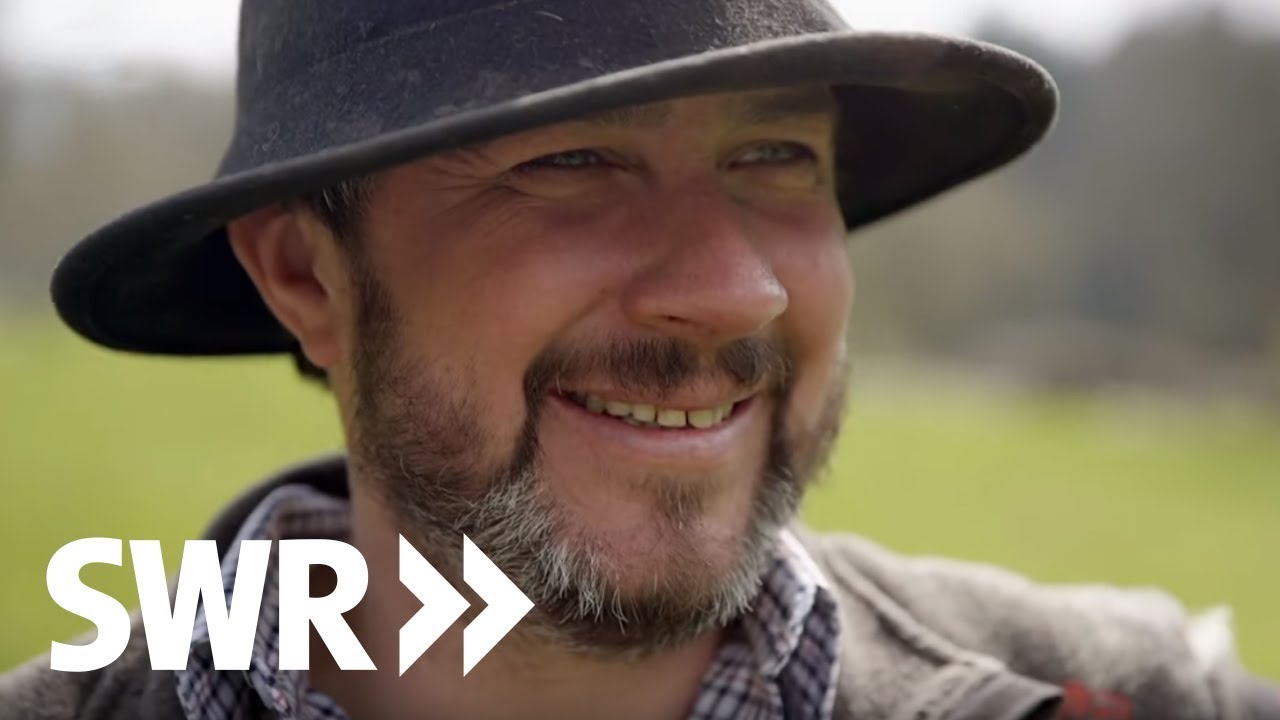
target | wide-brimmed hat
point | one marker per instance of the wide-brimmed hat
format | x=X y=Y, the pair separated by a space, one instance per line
x=329 y=89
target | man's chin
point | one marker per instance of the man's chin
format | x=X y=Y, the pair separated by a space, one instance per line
x=638 y=558
x=635 y=588
x=637 y=608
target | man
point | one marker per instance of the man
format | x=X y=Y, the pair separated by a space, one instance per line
x=576 y=274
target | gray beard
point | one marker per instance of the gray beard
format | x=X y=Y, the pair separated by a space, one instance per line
x=575 y=588
x=415 y=447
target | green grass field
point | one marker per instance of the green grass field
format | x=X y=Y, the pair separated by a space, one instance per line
x=1062 y=489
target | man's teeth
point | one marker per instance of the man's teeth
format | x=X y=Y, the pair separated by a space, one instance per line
x=652 y=416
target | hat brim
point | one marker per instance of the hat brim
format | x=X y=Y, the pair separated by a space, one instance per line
x=920 y=114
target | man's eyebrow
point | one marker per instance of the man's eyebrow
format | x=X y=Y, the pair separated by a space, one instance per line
x=756 y=109
x=783 y=105
x=634 y=116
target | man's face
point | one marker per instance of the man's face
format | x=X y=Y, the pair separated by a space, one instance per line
x=610 y=351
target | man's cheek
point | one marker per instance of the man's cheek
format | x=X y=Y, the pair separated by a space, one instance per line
x=816 y=406
x=817 y=274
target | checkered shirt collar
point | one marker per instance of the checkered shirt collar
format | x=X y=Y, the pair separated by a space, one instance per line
x=779 y=661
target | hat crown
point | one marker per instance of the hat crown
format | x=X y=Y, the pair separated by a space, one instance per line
x=282 y=34
x=322 y=73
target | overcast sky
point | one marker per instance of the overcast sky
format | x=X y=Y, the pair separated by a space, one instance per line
x=84 y=35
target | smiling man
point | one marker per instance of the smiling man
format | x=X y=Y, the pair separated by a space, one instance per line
x=576 y=274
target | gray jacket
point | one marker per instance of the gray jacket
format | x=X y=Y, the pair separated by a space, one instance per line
x=922 y=639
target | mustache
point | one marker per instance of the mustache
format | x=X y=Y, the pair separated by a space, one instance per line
x=661 y=365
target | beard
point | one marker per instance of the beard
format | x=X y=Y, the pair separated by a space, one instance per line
x=421 y=447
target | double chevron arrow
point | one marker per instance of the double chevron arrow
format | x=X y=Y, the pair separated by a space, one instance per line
x=443 y=605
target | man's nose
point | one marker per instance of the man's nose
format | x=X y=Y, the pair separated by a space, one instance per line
x=709 y=281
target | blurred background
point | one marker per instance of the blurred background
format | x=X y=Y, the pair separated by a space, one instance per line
x=1071 y=368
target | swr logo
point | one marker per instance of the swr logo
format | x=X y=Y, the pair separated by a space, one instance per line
x=168 y=627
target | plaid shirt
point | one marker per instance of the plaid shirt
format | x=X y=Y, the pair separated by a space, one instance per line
x=780 y=664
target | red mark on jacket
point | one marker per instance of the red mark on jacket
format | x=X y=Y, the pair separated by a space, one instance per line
x=1079 y=702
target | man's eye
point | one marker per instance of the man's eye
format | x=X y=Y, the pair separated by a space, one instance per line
x=774 y=153
x=567 y=160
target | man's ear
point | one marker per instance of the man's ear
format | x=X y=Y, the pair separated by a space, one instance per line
x=294 y=265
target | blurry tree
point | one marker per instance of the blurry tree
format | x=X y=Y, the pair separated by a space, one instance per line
x=1184 y=238
x=1140 y=242
x=85 y=153
x=8 y=100
x=8 y=103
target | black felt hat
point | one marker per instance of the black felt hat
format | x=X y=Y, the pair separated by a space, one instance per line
x=328 y=89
